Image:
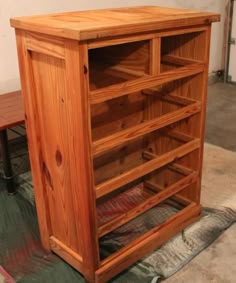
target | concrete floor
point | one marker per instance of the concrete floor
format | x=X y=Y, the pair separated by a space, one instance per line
x=217 y=263
x=221 y=116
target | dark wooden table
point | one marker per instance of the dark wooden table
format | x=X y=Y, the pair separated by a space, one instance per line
x=11 y=114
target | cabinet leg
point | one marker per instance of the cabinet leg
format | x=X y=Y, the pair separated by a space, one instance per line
x=7 y=169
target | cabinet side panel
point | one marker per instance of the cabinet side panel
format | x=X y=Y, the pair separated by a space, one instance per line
x=33 y=141
x=52 y=104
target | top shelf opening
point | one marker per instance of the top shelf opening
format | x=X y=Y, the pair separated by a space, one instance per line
x=182 y=50
x=117 y=70
x=118 y=63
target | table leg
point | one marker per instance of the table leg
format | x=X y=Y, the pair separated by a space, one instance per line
x=7 y=169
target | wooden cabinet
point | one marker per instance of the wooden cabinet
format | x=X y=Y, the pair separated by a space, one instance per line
x=115 y=106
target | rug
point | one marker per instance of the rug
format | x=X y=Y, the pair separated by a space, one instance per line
x=22 y=256
x=5 y=277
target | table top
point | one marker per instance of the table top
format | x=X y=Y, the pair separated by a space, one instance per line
x=11 y=110
x=84 y=25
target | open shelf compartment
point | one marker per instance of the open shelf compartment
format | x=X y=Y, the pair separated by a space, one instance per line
x=182 y=50
x=133 y=231
x=129 y=201
x=123 y=119
x=118 y=63
x=141 y=156
x=115 y=71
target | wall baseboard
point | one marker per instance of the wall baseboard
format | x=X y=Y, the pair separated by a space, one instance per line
x=213 y=78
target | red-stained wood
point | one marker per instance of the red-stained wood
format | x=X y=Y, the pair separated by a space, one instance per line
x=11 y=110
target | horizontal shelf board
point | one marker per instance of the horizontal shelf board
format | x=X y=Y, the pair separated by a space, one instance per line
x=148 y=242
x=127 y=135
x=172 y=59
x=66 y=253
x=149 y=203
x=178 y=135
x=98 y=43
x=128 y=72
x=117 y=90
x=127 y=177
x=180 y=169
x=154 y=187
x=173 y=98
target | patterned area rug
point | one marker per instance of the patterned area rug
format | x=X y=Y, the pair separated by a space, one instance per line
x=5 y=277
x=22 y=256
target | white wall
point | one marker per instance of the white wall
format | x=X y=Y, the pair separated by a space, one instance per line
x=9 y=75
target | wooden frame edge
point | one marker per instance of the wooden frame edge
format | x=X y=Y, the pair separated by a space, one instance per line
x=66 y=253
x=154 y=240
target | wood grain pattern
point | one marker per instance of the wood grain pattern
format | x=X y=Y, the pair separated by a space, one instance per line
x=203 y=114
x=11 y=110
x=151 y=240
x=114 y=40
x=113 y=98
x=143 y=128
x=83 y=193
x=51 y=101
x=157 y=189
x=66 y=253
x=113 y=91
x=84 y=25
x=33 y=142
x=146 y=168
x=149 y=203
x=45 y=45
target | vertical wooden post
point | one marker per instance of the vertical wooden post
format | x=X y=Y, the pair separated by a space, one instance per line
x=76 y=55
x=153 y=106
x=204 y=91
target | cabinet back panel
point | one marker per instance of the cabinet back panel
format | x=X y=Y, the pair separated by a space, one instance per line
x=189 y=45
x=116 y=115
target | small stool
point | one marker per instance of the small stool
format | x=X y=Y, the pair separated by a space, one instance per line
x=11 y=114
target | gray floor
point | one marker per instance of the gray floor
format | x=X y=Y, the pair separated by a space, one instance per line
x=217 y=263
x=221 y=116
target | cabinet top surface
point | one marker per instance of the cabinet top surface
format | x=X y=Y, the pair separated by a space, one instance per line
x=83 y=25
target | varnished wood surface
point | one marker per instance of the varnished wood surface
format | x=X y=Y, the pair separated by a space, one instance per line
x=110 y=22
x=66 y=253
x=113 y=97
x=149 y=203
x=148 y=242
x=11 y=110
x=143 y=128
x=114 y=183
x=117 y=90
x=32 y=128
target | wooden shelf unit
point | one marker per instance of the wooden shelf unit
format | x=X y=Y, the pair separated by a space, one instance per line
x=115 y=106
